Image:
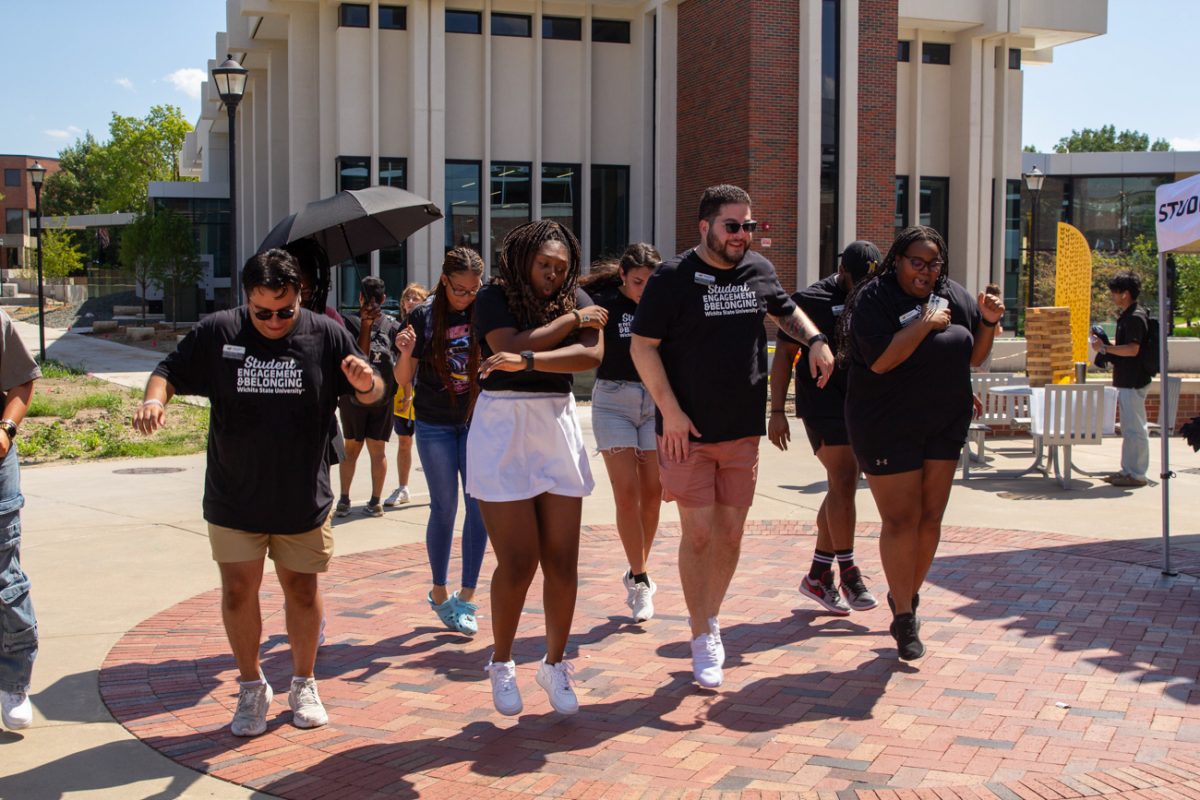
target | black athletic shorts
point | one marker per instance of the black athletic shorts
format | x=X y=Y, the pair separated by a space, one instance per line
x=896 y=448
x=363 y=422
x=403 y=426
x=826 y=432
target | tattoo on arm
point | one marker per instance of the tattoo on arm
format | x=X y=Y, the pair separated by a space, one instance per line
x=794 y=325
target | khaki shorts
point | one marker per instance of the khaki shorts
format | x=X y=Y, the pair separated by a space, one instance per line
x=724 y=473
x=306 y=552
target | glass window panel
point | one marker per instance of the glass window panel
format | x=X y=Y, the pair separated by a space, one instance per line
x=393 y=172
x=903 y=50
x=1096 y=209
x=463 y=22
x=393 y=261
x=901 y=220
x=462 y=206
x=935 y=205
x=830 y=125
x=510 y=202
x=1014 y=58
x=511 y=25
x=1139 y=209
x=14 y=220
x=394 y=18
x=353 y=172
x=610 y=210
x=560 y=195
x=614 y=31
x=12 y=177
x=935 y=53
x=354 y=15
x=1011 y=286
x=567 y=28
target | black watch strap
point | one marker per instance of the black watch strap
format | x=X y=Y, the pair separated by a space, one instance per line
x=9 y=427
x=528 y=356
x=817 y=337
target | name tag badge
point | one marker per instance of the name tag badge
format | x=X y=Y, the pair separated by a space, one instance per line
x=704 y=279
x=906 y=319
x=233 y=351
x=837 y=310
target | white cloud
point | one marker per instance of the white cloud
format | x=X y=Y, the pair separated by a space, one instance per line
x=67 y=133
x=1185 y=143
x=124 y=83
x=187 y=80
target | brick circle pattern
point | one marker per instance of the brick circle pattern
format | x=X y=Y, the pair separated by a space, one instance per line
x=1057 y=667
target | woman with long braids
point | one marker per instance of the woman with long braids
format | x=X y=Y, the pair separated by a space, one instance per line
x=526 y=461
x=440 y=348
x=913 y=335
x=623 y=420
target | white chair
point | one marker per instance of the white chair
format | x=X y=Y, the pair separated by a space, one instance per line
x=1168 y=402
x=1071 y=415
x=995 y=409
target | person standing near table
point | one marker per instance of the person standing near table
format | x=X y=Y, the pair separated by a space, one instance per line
x=1130 y=379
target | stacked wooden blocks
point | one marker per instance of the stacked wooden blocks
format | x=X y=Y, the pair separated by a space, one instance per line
x=1048 y=354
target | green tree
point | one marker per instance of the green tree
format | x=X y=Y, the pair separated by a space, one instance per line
x=137 y=253
x=76 y=187
x=1187 y=287
x=60 y=255
x=1106 y=140
x=174 y=257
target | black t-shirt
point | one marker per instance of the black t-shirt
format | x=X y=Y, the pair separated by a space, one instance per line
x=433 y=403
x=713 y=343
x=383 y=353
x=618 y=333
x=268 y=431
x=930 y=388
x=823 y=302
x=1132 y=326
x=491 y=313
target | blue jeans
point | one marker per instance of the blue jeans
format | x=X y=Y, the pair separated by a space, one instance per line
x=1135 y=438
x=443 y=453
x=18 y=625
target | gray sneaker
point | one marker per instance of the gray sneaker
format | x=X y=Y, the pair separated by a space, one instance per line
x=250 y=719
x=305 y=702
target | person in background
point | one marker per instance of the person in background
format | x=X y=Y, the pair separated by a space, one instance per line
x=403 y=415
x=438 y=347
x=623 y=420
x=824 y=415
x=1130 y=379
x=19 y=646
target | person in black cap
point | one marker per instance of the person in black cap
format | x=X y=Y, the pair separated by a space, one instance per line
x=825 y=423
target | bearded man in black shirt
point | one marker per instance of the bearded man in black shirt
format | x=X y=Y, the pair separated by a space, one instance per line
x=701 y=349
x=273 y=372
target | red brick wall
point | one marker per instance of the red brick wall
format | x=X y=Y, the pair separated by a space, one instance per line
x=877 y=34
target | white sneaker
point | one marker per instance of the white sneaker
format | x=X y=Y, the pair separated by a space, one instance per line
x=16 y=710
x=708 y=656
x=254 y=701
x=639 y=597
x=398 y=497
x=556 y=680
x=506 y=696
x=305 y=702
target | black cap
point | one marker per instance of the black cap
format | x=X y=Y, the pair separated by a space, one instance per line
x=860 y=259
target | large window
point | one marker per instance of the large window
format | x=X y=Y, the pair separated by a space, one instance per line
x=462 y=206
x=353 y=172
x=12 y=177
x=511 y=25
x=567 y=28
x=14 y=220
x=393 y=18
x=935 y=53
x=354 y=15
x=393 y=261
x=830 y=129
x=560 y=195
x=613 y=31
x=935 y=205
x=610 y=210
x=510 y=202
x=1012 y=253
x=903 y=50
x=463 y=21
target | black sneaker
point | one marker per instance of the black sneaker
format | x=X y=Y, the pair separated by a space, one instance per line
x=892 y=603
x=855 y=591
x=906 y=629
x=825 y=593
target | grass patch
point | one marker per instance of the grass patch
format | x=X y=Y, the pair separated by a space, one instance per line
x=57 y=369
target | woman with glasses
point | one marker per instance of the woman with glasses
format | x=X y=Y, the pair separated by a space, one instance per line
x=623 y=420
x=402 y=407
x=526 y=460
x=439 y=348
x=911 y=336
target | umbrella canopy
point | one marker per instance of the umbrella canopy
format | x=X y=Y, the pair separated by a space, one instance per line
x=354 y=222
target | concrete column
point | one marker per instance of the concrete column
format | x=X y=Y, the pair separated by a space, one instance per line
x=303 y=107
x=665 y=199
x=277 y=131
x=848 y=132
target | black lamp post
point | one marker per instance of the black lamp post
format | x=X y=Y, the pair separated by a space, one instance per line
x=37 y=174
x=1033 y=182
x=230 y=78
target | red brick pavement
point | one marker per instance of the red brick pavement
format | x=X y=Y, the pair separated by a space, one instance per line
x=813 y=706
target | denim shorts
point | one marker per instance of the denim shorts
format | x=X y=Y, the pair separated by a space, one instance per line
x=623 y=416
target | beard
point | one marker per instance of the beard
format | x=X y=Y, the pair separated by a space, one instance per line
x=729 y=252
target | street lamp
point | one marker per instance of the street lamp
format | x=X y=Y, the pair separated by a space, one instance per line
x=37 y=174
x=230 y=78
x=1033 y=182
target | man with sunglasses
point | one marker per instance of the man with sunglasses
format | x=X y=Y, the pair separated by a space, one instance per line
x=273 y=373
x=701 y=349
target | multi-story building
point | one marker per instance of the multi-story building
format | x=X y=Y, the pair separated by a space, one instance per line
x=19 y=206
x=844 y=119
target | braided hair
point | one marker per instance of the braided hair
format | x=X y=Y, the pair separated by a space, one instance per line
x=914 y=233
x=457 y=261
x=314 y=265
x=520 y=247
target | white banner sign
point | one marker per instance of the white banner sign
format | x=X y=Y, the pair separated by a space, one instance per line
x=1178 y=215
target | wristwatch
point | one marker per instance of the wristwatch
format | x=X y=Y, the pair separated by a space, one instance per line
x=818 y=337
x=9 y=427
x=528 y=356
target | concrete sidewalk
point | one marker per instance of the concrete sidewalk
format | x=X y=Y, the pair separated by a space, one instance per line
x=109 y=544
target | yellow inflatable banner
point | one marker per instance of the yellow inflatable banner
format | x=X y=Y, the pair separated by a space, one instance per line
x=1073 y=286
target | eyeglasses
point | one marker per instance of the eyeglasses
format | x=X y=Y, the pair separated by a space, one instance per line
x=457 y=292
x=921 y=265
x=265 y=314
x=749 y=226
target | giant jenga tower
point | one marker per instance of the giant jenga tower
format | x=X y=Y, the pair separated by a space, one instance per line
x=1048 y=345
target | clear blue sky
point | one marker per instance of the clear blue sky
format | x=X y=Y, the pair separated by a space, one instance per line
x=74 y=62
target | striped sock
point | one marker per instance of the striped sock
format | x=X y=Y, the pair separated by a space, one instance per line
x=845 y=559
x=822 y=562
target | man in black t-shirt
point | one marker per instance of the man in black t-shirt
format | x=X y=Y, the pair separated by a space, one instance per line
x=272 y=372
x=375 y=333
x=701 y=349
x=1129 y=377
x=823 y=412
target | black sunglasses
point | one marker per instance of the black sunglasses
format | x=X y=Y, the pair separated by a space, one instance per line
x=284 y=313
x=748 y=226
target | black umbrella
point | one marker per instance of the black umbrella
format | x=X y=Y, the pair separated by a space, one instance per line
x=356 y=221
